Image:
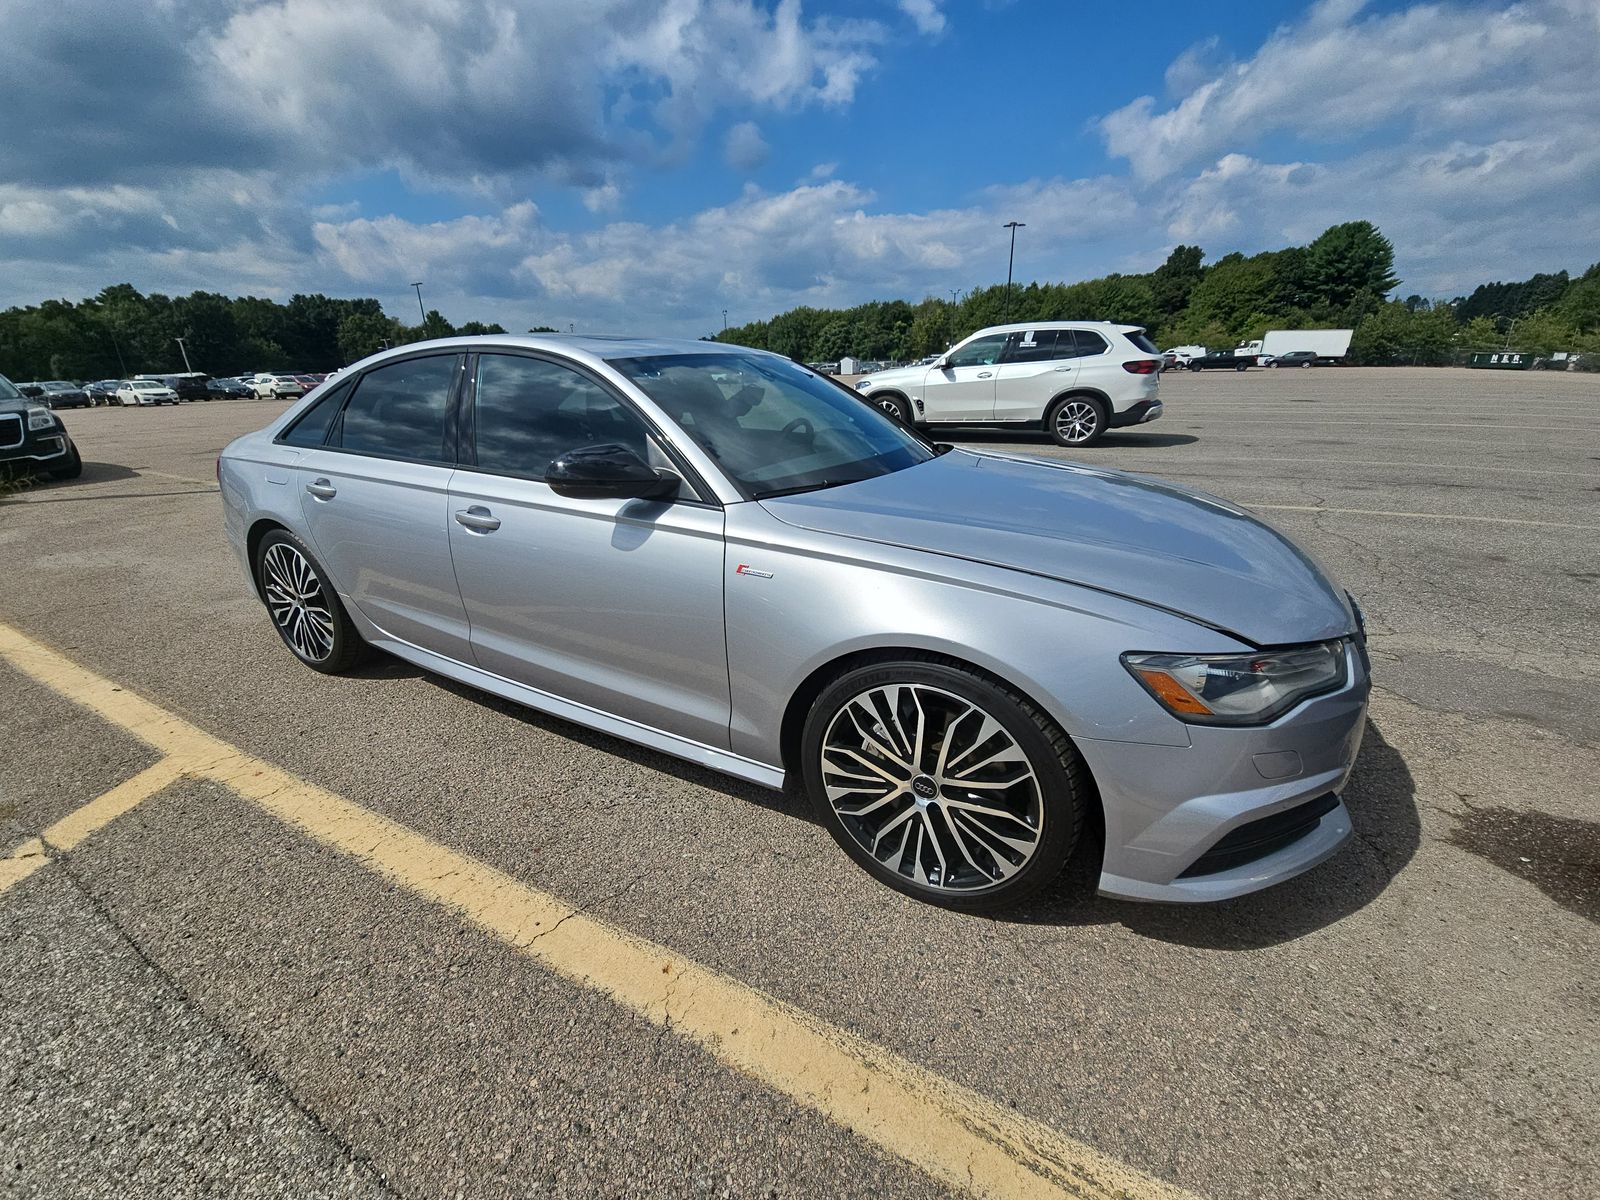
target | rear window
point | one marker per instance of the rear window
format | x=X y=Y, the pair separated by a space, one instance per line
x=1138 y=338
x=311 y=428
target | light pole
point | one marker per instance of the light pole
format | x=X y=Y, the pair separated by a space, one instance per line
x=420 y=311
x=1010 y=261
x=953 y=293
x=724 y=320
x=185 y=351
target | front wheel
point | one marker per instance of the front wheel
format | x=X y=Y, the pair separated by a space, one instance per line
x=895 y=407
x=304 y=607
x=1076 y=421
x=73 y=468
x=944 y=784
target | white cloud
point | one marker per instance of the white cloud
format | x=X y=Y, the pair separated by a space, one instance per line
x=926 y=15
x=1431 y=69
x=745 y=148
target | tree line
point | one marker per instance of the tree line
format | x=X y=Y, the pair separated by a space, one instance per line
x=1342 y=279
x=122 y=332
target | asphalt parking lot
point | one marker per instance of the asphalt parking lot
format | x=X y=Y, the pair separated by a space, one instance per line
x=380 y=935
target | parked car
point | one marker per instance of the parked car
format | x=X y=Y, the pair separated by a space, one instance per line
x=980 y=667
x=228 y=389
x=103 y=392
x=58 y=393
x=1074 y=380
x=1295 y=358
x=268 y=386
x=1215 y=360
x=145 y=391
x=32 y=438
x=188 y=385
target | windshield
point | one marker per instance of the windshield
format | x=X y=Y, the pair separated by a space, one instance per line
x=147 y=385
x=8 y=390
x=773 y=427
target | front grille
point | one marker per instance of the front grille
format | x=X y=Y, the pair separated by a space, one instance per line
x=10 y=430
x=1259 y=838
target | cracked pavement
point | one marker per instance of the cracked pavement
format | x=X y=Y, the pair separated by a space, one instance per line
x=199 y=1000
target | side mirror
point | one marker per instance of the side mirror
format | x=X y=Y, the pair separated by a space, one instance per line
x=943 y=364
x=608 y=472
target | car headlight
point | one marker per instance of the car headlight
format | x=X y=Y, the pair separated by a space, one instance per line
x=41 y=418
x=863 y=384
x=1238 y=689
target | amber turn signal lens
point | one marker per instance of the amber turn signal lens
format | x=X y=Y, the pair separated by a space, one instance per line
x=1172 y=693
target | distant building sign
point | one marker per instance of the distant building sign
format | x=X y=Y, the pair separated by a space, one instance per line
x=1503 y=360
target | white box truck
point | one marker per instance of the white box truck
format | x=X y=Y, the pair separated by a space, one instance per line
x=1326 y=344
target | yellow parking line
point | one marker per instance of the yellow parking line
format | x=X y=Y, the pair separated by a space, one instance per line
x=69 y=832
x=954 y=1134
x=21 y=862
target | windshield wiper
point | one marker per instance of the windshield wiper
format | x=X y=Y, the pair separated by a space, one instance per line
x=804 y=487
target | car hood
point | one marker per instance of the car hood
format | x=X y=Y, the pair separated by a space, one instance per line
x=1149 y=541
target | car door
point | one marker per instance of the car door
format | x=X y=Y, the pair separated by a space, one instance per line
x=1036 y=366
x=1097 y=366
x=374 y=495
x=963 y=389
x=615 y=604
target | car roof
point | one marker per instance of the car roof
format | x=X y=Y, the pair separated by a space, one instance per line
x=1022 y=326
x=591 y=347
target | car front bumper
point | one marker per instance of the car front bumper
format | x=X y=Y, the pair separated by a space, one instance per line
x=44 y=447
x=1237 y=810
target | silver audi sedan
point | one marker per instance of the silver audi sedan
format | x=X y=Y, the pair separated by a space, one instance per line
x=991 y=674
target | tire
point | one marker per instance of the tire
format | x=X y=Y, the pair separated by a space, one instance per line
x=72 y=470
x=1242 y=367
x=895 y=406
x=295 y=590
x=1304 y=365
x=1033 y=824
x=1076 y=420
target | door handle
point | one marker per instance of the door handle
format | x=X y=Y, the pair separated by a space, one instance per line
x=1067 y=367
x=322 y=489
x=477 y=517
x=985 y=374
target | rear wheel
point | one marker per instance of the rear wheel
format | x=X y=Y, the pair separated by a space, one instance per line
x=304 y=607
x=944 y=784
x=1076 y=421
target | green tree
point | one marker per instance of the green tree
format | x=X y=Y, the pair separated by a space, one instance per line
x=361 y=334
x=1350 y=265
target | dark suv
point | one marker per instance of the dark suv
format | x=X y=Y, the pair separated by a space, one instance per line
x=32 y=438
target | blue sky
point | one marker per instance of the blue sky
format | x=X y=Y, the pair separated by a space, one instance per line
x=643 y=164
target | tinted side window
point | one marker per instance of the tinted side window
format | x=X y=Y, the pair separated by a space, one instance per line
x=979 y=353
x=399 y=410
x=1036 y=345
x=311 y=427
x=1089 y=342
x=530 y=412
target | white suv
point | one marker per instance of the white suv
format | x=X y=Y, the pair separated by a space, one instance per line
x=1075 y=378
x=268 y=386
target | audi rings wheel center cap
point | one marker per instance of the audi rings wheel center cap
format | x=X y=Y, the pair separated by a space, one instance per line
x=924 y=788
